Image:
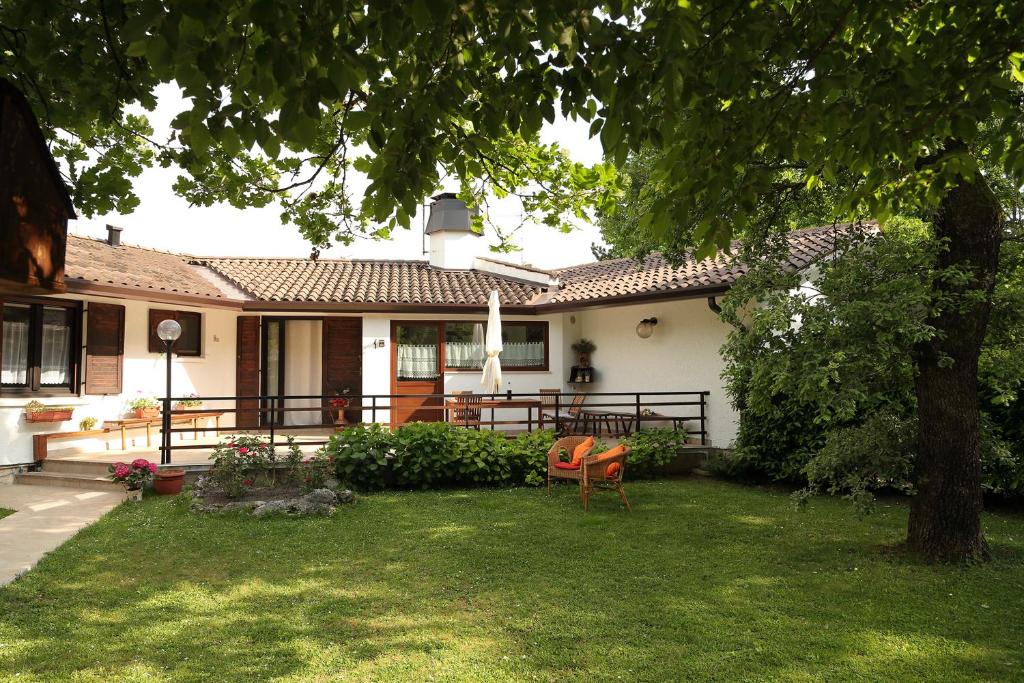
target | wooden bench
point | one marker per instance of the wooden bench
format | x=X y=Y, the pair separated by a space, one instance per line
x=40 y=442
x=134 y=422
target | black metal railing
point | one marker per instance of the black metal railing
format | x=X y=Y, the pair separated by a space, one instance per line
x=613 y=414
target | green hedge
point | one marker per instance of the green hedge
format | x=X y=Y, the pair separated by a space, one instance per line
x=437 y=455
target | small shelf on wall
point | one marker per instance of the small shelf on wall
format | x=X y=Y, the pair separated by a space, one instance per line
x=579 y=375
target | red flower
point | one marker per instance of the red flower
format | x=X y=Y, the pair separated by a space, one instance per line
x=140 y=463
x=152 y=467
x=121 y=470
x=247 y=482
x=243 y=450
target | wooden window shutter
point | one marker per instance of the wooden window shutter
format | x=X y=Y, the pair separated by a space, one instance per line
x=157 y=316
x=342 y=359
x=247 y=371
x=104 y=348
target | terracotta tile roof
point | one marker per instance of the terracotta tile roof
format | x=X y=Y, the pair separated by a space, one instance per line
x=94 y=260
x=366 y=282
x=628 y=277
x=404 y=282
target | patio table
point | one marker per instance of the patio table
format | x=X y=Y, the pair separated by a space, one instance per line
x=495 y=403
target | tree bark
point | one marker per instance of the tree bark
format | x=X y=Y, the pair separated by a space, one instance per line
x=945 y=515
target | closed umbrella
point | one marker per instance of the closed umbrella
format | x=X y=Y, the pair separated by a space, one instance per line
x=491 y=381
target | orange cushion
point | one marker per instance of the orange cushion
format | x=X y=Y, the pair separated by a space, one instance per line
x=611 y=452
x=581 y=450
x=567 y=466
x=612 y=470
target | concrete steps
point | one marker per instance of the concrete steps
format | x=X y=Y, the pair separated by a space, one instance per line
x=83 y=467
x=68 y=480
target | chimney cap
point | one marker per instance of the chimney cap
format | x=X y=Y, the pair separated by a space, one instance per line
x=114 y=235
x=450 y=213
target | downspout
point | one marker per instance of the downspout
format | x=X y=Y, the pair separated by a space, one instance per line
x=713 y=305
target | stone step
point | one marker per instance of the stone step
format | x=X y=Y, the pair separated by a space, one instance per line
x=81 y=467
x=75 y=481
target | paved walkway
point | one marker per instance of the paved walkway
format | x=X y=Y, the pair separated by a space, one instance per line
x=46 y=517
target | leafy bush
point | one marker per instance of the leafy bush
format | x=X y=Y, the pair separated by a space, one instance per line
x=435 y=454
x=651 y=449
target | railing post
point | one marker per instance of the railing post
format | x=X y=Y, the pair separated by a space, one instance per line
x=703 y=423
x=273 y=421
x=373 y=409
x=558 y=415
x=639 y=415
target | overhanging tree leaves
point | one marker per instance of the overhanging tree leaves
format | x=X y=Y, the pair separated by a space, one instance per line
x=893 y=93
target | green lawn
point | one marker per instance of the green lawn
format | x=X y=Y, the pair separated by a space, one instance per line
x=705 y=580
x=4 y=512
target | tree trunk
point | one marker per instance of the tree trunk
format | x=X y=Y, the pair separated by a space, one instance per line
x=945 y=515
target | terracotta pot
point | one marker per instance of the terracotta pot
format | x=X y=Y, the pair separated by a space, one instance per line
x=49 y=416
x=146 y=412
x=168 y=482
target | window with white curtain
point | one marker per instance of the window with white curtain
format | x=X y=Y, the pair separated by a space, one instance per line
x=525 y=345
x=37 y=349
x=15 y=349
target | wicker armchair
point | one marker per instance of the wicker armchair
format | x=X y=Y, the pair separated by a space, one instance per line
x=595 y=476
x=567 y=443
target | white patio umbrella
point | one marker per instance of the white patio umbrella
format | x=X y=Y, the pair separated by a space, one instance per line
x=491 y=381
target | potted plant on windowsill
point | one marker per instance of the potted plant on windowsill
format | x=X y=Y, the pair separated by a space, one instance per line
x=144 y=406
x=37 y=412
x=134 y=476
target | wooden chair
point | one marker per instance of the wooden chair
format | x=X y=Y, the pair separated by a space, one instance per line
x=467 y=410
x=595 y=476
x=568 y=444
x=565 y=413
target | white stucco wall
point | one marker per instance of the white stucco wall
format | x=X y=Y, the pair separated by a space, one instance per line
x=211 y=374
x=681 y=355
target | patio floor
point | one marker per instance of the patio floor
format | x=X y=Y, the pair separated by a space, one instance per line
x=185 y=450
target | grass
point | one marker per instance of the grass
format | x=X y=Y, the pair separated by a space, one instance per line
x=704 y=581
x=4 y=512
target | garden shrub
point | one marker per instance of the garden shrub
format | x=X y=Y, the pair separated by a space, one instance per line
x=651 y=450
x=434 y=455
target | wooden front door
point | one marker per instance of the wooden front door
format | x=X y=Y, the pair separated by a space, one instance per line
x=417 y=367
x=342 y=371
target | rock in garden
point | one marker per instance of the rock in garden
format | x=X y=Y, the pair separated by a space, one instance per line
x=345 y=497
x=321 y=496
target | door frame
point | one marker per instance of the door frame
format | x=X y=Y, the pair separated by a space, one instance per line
x=438 y=383
x=266 y=409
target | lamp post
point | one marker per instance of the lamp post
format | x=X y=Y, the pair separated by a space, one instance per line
x=168 y=331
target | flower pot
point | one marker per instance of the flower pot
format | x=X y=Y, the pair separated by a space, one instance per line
x=49 y=415
x=146 y=413
x=134 y=495
x=168 y=482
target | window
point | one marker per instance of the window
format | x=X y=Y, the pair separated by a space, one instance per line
x=525 y=345
x=416 y=352
x=38 y=346
x=190 y=343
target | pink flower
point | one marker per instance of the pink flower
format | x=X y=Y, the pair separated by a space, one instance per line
x=140 y=463
x=243 y=450
x=152 y=467
x=121 y=470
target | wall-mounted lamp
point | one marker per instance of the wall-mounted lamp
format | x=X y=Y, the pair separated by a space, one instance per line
x=645 y=328
x=378 y=343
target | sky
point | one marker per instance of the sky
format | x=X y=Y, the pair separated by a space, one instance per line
x=165 y=221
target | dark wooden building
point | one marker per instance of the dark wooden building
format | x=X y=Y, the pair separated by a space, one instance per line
x=34 y=202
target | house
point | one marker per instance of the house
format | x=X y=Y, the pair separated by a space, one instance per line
x=315 y=328
x=34 y=202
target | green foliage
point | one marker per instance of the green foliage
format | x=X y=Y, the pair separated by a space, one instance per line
x=87 y=423
x=436 y=455
x=651 y=450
